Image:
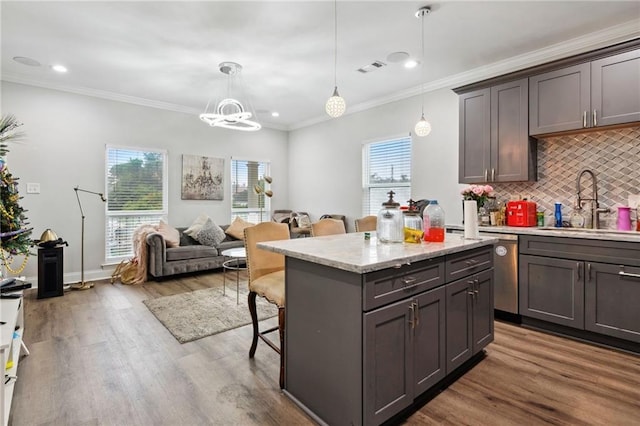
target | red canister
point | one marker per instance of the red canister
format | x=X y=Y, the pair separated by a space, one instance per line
x=521 y=213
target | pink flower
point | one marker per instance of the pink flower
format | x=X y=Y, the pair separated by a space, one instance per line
x=488 y=189
x=478 y=190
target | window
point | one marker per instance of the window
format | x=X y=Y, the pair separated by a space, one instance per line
x=246 y=177
x=136 y=195
x=386 y=166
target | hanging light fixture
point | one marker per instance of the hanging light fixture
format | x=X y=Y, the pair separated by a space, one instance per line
x=336 y=105
x=229 y=112
x=423 y=127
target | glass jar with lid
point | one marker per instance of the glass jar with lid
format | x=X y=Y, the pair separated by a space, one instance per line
x=390 y=226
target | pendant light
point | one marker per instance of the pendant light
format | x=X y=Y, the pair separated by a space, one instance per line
x=423 y=127
x=336 y=105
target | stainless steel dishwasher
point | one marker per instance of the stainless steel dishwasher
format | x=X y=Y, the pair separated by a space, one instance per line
x=505 y=265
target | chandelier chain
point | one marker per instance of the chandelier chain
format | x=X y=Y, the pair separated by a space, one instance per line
x=335 y=43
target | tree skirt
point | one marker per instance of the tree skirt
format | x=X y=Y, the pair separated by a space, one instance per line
x=201 y=313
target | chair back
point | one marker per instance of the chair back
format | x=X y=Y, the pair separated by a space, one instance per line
x=262 y=262
x=367 y=224
x=327 y=227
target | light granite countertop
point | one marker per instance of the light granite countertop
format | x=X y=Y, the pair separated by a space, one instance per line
x=351 y=252
x=593 y=234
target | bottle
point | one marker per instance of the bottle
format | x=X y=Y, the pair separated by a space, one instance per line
x=390 y=226
x=433 y=222
x=558 y=215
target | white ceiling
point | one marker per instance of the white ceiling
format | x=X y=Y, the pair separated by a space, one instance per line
x=166 y=54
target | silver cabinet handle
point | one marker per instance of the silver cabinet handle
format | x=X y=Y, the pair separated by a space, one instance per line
x=589 y=270
x=584 y=118
x=595 y=117
x=578 y=268
x=476 y=286
x=416 y=312
x=493 y=174
x=471 y=262
x=409 y=280
x=486 y=175
x=412 y=318
x=622 y=273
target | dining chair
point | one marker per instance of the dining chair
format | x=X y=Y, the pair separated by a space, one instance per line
x=266 y=279
x=366 y=224
x=327 y=227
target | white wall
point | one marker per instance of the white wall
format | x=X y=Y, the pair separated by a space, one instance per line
x=64 y=147
x=325 y=160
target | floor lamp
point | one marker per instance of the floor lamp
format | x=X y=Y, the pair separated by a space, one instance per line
x=82 y=285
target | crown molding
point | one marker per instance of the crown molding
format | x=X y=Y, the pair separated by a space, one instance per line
x=603 y=38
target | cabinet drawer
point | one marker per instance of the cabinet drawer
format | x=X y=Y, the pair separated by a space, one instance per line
x=616 y=252
x=469 y=262
x=390 y=285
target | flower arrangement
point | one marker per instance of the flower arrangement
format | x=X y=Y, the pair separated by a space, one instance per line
x=479 y=193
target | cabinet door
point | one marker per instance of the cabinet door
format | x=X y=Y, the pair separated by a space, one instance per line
x=510 y=156
x=615 y=89
x=552 y=290
x=482 y=310
x=388 y=361
x=474 y=138
x=560 y=100
x=429 y=340
x=612 y=294
x=459 y=322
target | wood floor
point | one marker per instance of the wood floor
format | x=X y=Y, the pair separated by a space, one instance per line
x=99 y=357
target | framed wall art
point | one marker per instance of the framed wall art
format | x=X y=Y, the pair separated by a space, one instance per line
x=202 y=178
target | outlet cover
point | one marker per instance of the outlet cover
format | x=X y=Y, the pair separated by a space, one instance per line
x=33 y=188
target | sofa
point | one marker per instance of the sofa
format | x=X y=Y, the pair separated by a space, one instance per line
x=189 y=256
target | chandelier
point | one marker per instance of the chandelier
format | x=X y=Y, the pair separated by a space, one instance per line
x=230 y=112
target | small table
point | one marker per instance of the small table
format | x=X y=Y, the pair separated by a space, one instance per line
x=238 y=255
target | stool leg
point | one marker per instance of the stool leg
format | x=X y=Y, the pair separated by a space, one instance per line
x=254 y=320
x=281 y=325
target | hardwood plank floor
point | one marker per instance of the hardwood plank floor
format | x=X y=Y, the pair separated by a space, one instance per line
x=99 y=357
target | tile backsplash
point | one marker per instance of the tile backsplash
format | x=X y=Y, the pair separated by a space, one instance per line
x=614 y=157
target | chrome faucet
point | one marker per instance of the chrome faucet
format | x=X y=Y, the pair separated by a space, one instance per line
x=595 y=205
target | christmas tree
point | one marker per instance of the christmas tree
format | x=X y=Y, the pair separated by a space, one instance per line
x=14 y=233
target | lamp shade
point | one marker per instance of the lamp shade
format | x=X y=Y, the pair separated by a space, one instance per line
x=423 y=127
x=336 y=106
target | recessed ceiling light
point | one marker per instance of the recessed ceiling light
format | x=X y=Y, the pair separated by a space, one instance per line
x=26 y=61
x=410 y=63
x=275 y=114
x=397 y=56
x=59 y=68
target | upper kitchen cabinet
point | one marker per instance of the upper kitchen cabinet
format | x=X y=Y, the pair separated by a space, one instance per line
x=592 y=94
x=494 y=141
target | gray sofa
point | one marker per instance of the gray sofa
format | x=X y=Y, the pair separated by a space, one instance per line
x=190 y=256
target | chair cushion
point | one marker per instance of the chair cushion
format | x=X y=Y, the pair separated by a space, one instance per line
x=190 y=252
x=270 y=286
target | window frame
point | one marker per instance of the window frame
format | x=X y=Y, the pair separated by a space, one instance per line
x=367 y=208
x=246 y=213
x=154 y=215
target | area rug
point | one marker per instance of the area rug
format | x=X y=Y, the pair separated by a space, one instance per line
x=201 y=313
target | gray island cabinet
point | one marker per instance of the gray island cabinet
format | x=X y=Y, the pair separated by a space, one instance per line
x=370 y=327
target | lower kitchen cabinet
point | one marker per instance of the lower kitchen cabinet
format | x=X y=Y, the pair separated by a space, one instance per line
x=612 y=295
x=469 y=304
x=552 y=290
x=406 y=353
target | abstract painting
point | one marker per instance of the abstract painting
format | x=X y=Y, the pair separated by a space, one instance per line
x=202 y=178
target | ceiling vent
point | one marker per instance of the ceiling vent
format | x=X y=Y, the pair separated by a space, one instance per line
x=372 y=67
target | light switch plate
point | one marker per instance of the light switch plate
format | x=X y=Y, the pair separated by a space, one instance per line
x=33 y=188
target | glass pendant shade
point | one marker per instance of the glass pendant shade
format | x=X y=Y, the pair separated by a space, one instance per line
x=423 y=127
x=336 y=106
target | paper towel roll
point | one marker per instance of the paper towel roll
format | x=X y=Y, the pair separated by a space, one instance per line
x=470 y=220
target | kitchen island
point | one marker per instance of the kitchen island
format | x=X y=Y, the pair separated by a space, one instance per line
x=371 y=327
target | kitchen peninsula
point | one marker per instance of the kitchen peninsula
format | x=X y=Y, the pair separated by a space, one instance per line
x=370 y=327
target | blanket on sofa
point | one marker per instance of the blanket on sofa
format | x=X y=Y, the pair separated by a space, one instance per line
x=140 y=252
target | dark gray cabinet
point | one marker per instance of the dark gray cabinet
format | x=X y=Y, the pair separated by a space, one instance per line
x=612 y=295
x=585 y=284
x=494 y=141
x=469 y=317
x=405 y=353
x=552 y=289
x=591 y=94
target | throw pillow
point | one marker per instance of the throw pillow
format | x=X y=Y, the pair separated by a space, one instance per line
x=170 y=234
x=236 y=229
x=196 y=226
x=210 y=234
